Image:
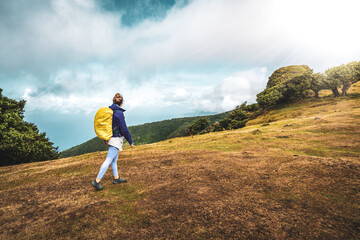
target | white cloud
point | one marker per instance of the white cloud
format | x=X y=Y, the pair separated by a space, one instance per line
x=257 y=32
x=26 y=95
x=233 y=91
x=61 y=33
x=222 y=95
x=253 y=33
x=67 y=105
x=85 y=52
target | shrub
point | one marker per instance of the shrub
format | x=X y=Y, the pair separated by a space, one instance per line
x=198 y=126
x=224 y=123
x=235 y=124
x=235 y=120
x=217 y=127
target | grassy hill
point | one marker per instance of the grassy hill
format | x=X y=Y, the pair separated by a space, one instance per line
x=292 y=173
x=145 y=133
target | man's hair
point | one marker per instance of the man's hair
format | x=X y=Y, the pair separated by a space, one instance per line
x=118 y=99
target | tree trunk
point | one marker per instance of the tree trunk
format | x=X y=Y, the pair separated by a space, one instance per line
x=335 y=92
x=316 y=94
x=344 y=89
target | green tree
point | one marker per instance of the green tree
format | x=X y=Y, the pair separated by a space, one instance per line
x=296 y=88
x=224 y=123
x=286 y=84
x=237 y=119
x=253 y=110
x=285 y=74
x=20 y=141
x=337 y=76
x=317 y=83
x=238 y=114
x=271 y=96
x=198 y=126
x=250 y=108
x=354 y=75
x=357 y=71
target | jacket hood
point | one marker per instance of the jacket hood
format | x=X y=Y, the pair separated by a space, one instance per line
x=116 y=107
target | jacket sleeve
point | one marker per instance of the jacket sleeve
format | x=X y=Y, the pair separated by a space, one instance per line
x=120 y=121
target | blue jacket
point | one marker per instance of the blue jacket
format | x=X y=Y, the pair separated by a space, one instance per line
x=118 y=123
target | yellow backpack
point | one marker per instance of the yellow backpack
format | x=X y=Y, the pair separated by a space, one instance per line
x=103 y=123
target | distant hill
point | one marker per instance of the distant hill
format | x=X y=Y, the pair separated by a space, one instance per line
x=145 y=133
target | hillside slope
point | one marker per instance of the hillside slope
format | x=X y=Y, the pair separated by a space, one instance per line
x=290 y=174
x=145 y=133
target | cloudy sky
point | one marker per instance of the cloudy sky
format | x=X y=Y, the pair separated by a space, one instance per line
x=168 y=58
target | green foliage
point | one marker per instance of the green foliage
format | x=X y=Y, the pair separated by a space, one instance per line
x=250 y=108
x=287 y=84
x=317 y=83
x=356 y=71
x=337 y=76
x=235 y=124
x=270 y=96
x=237 y=119
x=198 y=126
x=354 y=74
x=253 y=110
x=20 y=141
x=216 y=127
x=343 y=75
x=224 y=123
x=296 y=87
x=238 y=114
x=285 y=74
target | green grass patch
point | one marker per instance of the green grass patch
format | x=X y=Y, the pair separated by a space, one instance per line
x=123 y=200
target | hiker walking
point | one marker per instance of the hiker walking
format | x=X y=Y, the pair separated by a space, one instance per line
x=115 y=143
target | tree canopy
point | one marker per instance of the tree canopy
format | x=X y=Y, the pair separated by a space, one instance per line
x=21 y=141
x=344 y=75
x=285 y=74
x=237 y=119
x=317 y=83
x=198 y=126
x=286 y=84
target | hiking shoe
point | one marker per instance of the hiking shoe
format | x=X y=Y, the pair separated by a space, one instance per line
x=97 y=185
x=119 y=180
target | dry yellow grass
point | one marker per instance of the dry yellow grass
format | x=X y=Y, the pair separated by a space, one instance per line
x=290 y=174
